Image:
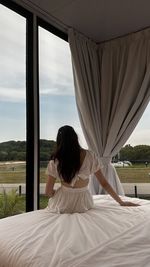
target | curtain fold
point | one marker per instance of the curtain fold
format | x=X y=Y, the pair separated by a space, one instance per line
x=112 y=87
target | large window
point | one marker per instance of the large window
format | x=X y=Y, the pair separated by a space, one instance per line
x=12 y=112
x=57 y=97
x=134 y=160
x=22 y=103
x=141 y=134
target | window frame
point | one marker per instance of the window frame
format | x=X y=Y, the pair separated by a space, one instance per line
x=33 y=22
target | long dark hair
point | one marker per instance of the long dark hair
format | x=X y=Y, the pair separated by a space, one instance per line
x=67 y=153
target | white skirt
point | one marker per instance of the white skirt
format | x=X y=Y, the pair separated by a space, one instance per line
x=70 y=200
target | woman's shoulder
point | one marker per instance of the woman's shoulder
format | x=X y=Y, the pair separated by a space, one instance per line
x=52 y=167
x=88 y=156
x=53 y=162
x=91 y=163
x=93 y=157
x=90 y=153
x=86 y=151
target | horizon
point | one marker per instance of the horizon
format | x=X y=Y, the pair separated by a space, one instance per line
x=50 y=140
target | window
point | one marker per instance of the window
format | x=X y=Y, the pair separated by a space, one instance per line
x=12 y=111
x=135 y=160
x=57 y=97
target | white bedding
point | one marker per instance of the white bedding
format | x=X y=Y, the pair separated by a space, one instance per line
x=106 y=236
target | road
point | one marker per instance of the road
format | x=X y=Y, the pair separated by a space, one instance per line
x=129 y=188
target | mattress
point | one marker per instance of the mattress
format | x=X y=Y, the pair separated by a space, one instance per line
x=106 y=236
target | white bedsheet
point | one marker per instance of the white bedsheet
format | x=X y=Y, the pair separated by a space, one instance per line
x=106 y=236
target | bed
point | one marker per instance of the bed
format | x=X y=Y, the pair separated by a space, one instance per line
x=106 y=236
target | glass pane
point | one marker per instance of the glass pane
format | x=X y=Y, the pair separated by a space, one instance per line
x=12 y=112
x=57 y=98
x=134 y=160
x=141 y=133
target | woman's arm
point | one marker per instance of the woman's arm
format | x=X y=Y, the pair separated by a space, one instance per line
x=110 y=190
x=49 y=189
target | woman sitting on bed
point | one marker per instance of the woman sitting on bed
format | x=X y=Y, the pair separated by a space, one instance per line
x=73 y=165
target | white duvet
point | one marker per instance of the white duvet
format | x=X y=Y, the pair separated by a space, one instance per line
x=106 y=236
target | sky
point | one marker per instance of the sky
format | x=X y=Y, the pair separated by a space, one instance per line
x=57 y=98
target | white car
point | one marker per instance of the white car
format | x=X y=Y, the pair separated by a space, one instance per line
x=128 y=162
x=121 y=164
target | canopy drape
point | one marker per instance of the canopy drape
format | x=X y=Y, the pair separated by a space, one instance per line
x=112 y=88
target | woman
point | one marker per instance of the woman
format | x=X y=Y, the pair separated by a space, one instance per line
x=73 y=165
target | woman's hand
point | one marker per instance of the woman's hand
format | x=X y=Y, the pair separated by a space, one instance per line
x=111 y=191
x=128 y=204
x=52 y=193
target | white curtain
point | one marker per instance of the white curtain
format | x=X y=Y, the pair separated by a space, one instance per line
x=112 y=86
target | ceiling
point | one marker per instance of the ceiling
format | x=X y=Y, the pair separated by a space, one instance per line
x=98 y=19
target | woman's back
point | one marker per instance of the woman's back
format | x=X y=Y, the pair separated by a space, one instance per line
x=73 y=166
x=79 y=183
x=74 y=196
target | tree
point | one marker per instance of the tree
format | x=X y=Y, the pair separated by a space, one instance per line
x=140 y=153
x=3 y=155
x=16 y=150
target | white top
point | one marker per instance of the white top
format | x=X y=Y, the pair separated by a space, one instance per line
x=90 y=165
x=71 y=199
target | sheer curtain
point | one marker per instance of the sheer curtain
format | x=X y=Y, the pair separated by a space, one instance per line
x=112 y=86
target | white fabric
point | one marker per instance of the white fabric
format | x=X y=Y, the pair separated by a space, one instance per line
x=107 y=235
x=71 y=200
x=90 y=165
x=112 y=91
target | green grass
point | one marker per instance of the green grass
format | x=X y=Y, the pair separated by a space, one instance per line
x=134 y=174
x=22 y=199
x=17 y=174
x=20 y=205
x=10 y=174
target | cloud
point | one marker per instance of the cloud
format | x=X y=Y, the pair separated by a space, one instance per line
x=56 y=84
x=12 y=56
x=12 y=95
x=54 y=67
x=139 y=137
x=56 y=91
x=54 y=56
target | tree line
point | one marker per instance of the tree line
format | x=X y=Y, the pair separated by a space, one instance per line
x=16 y=150
x=139 y=153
